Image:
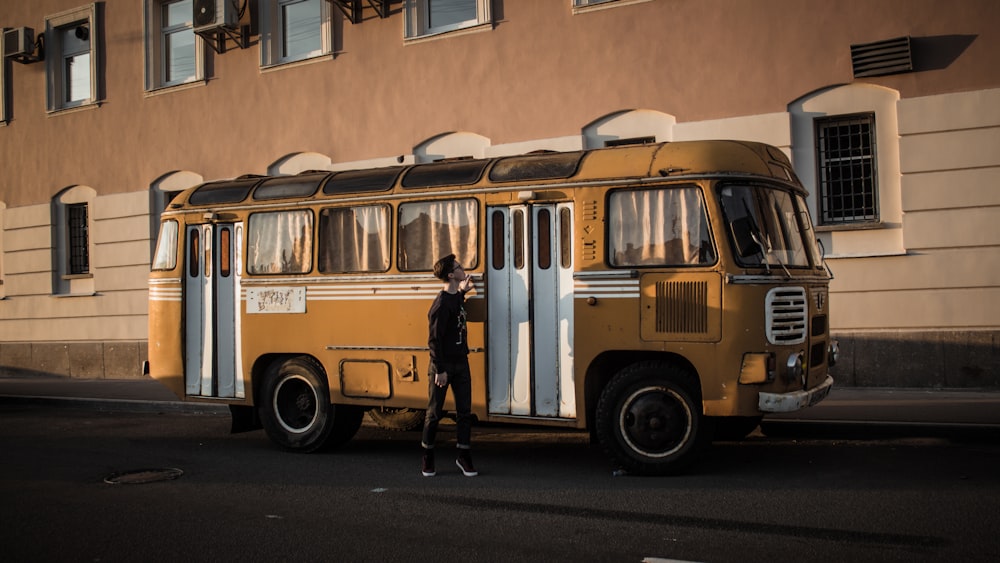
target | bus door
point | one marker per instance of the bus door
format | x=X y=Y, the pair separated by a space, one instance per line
x=529 y=288
x=212 y=358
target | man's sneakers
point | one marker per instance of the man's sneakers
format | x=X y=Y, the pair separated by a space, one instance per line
x=428 y=466
x=464 y=462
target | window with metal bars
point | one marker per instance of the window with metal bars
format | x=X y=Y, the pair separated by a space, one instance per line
x=848 y=171
x=79 y=239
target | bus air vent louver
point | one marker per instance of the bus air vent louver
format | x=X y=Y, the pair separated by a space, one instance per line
x=682 y=307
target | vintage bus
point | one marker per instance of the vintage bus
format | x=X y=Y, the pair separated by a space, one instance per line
x=656 y=295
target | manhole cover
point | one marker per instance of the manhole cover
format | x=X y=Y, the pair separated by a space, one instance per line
x=140 y=476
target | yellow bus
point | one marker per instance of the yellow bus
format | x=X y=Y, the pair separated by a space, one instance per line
x=656 y=295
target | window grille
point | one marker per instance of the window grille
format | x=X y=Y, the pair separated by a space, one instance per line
x=79 y=239
x=848 y=172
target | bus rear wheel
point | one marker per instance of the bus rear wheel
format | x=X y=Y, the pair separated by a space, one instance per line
x=398 y=418
x=649 y=419
x=295 y=408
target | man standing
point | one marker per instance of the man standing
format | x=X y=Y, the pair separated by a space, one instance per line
x=449 y=365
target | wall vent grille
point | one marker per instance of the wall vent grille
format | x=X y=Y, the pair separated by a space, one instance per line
x=890 y=56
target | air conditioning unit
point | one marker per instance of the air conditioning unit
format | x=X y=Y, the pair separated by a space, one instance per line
x=19 y=42
x=210 y=15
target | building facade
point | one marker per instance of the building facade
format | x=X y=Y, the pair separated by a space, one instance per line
x=889 y=109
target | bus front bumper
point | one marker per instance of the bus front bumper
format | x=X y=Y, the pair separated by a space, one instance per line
x=788 y=402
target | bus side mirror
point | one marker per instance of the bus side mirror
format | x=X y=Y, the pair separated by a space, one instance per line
x=743 y=236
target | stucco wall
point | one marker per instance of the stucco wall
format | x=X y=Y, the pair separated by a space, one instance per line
x=541 y=77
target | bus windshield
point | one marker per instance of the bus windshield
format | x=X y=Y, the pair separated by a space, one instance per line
x=767 y=226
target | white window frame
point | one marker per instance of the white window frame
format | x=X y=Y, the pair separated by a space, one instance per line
x=416 y=19
x=272 y=32
x=54 y=69
x=156 y=55
x=861 y=239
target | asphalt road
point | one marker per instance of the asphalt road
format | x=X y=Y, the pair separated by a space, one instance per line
x=541 y=496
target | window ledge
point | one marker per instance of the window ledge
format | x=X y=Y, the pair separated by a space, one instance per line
x=86 y=276
x=82 y=107
x=271 y=67
x=488 y=26
x=605 y=6
x=856 y=227
x=69 y=295
x=866 y=255
x=160 y=90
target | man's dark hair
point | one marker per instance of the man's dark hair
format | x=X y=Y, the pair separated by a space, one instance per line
x=444 y=266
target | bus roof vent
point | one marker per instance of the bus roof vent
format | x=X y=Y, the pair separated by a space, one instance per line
x=441 y=174
x=891 y=56
x=303 y=185
x=355 y=181
x=536 y=167
x=230 y=191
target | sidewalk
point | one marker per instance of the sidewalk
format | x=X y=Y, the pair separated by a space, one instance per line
x=130 y=395
x=850 y=413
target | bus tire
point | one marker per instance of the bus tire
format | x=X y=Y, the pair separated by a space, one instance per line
x=401 y=419
x=649 y=419
x=295 y=408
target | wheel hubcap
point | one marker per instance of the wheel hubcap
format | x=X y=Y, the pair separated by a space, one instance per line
x=295 y=404
x=655 y=421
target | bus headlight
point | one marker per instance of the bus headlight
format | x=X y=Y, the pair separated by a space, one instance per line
x=793 y=367
x=833 y=354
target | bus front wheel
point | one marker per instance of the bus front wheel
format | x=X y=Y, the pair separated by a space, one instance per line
x=295 y=408
x=649 y=421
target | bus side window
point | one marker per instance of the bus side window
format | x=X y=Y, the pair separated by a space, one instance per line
x=659 y=227
x=429 y=230
x=166 y=247
x=279 y=243
x=354 y=239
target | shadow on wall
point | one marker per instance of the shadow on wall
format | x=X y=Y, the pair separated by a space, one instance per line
x=926 y=359
x=939 y=51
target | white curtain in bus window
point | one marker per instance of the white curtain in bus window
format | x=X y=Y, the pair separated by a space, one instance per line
x=430 y=230
x=280 y=243
x=354 y=239
x=659 y=228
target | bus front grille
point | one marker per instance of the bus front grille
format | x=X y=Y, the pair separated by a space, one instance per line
x=786 y=315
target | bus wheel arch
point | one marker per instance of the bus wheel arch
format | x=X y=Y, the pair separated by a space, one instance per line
x=607 y=365
x=294 y=406
x=649 y=418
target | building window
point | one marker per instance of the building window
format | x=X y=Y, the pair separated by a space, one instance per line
x=174 y=55
x=79 y=239
x=294 y=30
x=71 y=62
x=847 y=169
x=73 y=273
x=430 y=17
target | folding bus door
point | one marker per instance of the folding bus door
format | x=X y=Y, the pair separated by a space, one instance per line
x=212 y=363
x=530 y=310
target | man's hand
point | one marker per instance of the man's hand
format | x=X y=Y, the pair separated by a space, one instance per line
x=441 y=379
x=467 y=285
